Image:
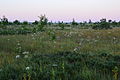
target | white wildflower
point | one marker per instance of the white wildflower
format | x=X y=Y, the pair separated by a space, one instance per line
x=95 y=40
x=88 y=40
x=0 y=70
x=114 y=38
x=26 y=56
x=17 y=56
x=55 y=42
x=33 y=38
x=80 y=43
x=75 y=49
x=98 y=37
x=54 y=65
x=18 y=44
x=27 y=68
x=25 y=52
x=68 y=35
x=20 y=47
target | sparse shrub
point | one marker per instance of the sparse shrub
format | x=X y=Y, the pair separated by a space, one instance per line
x=52 y=35
x=61 y=65
x=16 y=22
x=42 y=22
x=50 y=23
x=102 y=25
x=61 y=24
x=35 y=23
x=74 y=23
x=114 y=24
x=25 y=23
x=4 y=21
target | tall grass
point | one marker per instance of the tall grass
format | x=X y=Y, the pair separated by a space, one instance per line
x=73 y=54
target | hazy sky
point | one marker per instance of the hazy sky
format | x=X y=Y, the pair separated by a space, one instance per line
x=57 y=10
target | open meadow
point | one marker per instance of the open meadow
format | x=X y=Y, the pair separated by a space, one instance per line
x=60 y=40
x=55 y=54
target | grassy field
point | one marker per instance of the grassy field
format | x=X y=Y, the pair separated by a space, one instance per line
x=69 y=54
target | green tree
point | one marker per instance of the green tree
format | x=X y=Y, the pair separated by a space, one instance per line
x=74 y=23
x=42 y=22
x=25 y=23
x=4 y=20
x=61 y=24
x=50 y=23
x=103 y=24
x=109 y=21
x=16 y=22
x=35 y=23
x=114 y=24
x=90 y=21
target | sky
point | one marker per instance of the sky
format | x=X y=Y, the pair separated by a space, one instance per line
x=60 y=10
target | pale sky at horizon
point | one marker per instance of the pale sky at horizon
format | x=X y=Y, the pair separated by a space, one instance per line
x=60 y=10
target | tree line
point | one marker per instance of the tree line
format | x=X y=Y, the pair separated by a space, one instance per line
x=43 y=20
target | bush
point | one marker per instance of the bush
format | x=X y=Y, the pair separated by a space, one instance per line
x=12 y=31
x=61 y=24
x=43 y=21
x=16 y=22
x=74 y=23
x=4 y=21
x=25 y=23
x=102 y=25
x=61 y=65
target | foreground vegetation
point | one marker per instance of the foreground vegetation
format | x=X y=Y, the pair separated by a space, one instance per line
x=73 y=54
x=59 y=51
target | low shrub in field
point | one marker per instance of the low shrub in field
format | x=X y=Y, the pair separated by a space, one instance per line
x=52 y=35
x=61 y=25
x=42 y=22
x=61 y=66
x=102 y=25
x=12 y=31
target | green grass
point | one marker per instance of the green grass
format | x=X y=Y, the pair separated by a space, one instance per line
x=84 y=40
x=74 y=54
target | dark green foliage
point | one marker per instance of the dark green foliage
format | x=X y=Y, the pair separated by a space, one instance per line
x=109 y=21
x=2 y=26
x=10 y=23
x=11 y=31
x=61 y=24
x=16 y=22
x=62 y=66
x=40 y=27
x=74 y=23
x=50 y=23
x=35 y=23
x=25 y=23
x=4 y=21
x=102 y=25
x=115 y=24
x=52 y=35
x=43 y=21
x=90 y=21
